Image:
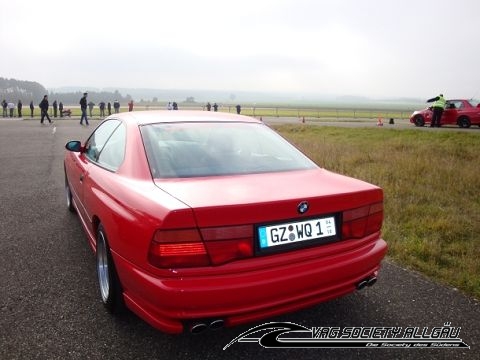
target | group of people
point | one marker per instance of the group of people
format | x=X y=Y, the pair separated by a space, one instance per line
x=209 y=106
x=44 y=105
x=8 y=108
x=101 y=106
x=215 y=107
x=172 y=106
x=58 y=108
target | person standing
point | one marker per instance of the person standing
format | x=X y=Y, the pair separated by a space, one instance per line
x=55 y=108
x=32 y=107
x=11 y=108
x=19 y=108
x=4 y=108
x=215 y=107
x=91 y=104
x=60 y=108
x=109 y=108
x=44 y=109
x=239 y=108
x=438 y=106
x=83 y=107
x=116 y=106
x=130 y=105
x=102 y=109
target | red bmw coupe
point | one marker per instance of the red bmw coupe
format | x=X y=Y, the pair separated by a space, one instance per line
x=463 y=113
x=201 y=220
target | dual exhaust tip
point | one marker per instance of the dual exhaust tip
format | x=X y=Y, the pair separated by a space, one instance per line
x=200 y=327
x=370 y=281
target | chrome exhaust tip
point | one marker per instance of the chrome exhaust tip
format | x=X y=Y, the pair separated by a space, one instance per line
x=372 y=281
x=198 y=328
x=216 y=324
x=362 y=284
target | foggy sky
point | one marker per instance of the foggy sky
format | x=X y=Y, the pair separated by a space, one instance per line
x=374 y=48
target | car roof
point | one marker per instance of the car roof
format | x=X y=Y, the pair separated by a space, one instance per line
x=173 y=116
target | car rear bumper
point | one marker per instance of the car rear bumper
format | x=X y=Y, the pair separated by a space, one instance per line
x=253 y=293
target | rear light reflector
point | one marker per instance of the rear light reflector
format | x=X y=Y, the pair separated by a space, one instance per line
x=228 y=243
x=363 y=221
x=227 y=250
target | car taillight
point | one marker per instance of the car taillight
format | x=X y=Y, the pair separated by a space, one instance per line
x=178 y=248
x=362 y=221
x=210 y=246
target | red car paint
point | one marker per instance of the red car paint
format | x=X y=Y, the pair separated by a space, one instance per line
x=186 y=250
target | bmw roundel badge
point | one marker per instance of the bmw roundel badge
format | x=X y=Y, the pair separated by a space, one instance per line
x=302 y=208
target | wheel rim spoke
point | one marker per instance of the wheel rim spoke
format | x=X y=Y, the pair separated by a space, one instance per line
x=102 y=267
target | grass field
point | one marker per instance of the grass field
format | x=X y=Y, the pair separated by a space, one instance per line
x=266 y=111
x=431 y=187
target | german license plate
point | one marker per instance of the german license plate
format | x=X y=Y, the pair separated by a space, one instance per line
x=296 y=232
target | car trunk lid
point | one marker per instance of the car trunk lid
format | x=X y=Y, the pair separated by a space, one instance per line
x=244 y=199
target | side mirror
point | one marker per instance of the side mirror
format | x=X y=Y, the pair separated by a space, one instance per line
x=75 y=146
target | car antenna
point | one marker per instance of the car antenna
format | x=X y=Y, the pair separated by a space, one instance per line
x=473 y=97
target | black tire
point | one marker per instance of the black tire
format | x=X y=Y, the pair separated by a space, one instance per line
x=419 y=120
x=108 y=282
x=464 y=122
x=68 y=194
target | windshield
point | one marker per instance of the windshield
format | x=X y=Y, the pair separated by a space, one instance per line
x=209 y=149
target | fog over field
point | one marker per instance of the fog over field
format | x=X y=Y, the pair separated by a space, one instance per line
x=309 y=48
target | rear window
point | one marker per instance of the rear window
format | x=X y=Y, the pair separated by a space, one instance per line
x=180 y=150
x=474 y=102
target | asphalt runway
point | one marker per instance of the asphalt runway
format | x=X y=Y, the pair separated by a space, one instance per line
x=50 y=306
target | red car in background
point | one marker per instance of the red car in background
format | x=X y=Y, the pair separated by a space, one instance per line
x=463 y=113
x=201 y=220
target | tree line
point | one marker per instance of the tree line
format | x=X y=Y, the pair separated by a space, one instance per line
x=96 y=97
x=12 y=90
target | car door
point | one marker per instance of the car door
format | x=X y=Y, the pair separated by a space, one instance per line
x=94 y=146
x=450 y=113
x=76 y=167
